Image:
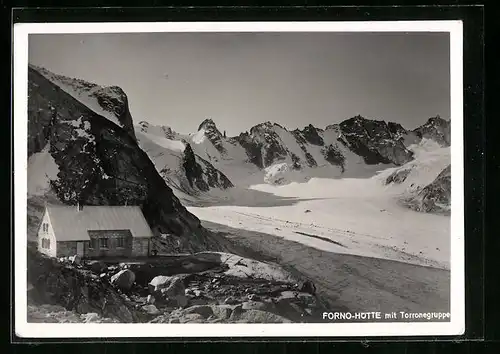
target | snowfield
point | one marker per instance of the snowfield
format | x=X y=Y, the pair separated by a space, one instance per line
x=358 y=216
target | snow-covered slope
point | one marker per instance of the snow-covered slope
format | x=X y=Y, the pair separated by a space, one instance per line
x=109 y=102
x=188 y=175
x=348 y=215
x=41 y=170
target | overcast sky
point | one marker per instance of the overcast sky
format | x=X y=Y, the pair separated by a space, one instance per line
x=242 y=79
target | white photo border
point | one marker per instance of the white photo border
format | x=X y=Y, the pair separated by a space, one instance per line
x=23 y=329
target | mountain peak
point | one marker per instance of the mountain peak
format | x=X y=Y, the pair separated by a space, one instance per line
x=436 y=128
x=207 y=124
x=437 y=120
x=213 y=134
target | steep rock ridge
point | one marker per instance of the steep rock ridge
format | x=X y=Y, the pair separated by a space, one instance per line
x=310 y=134
x=214 y=178
x=213 y=134
x=374 y=141
x=110 y=102
x=204 y=176
x=302 y=141
x=100 y=163
x=437 y=129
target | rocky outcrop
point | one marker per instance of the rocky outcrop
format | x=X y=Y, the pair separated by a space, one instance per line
x=100 y=163
x=74 y=289
x=398 y=176
x=124 y=279
x=374 y=141
x=435 y=197
x=437 y=129
x=114 y=100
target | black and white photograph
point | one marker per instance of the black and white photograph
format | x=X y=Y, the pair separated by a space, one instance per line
x=239 y=179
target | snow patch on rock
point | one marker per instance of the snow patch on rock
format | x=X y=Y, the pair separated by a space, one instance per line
x=41 y=170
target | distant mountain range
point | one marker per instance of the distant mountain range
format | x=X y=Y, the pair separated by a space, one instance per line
x=269 y=153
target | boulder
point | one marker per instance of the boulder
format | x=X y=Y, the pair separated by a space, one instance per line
x=258 y=305
x=169 y=285
x=124 y=279
x=203 y=310
x=230 y=300
x=258 y=316
x=222 y=312
x=93 y=317
x=97 y=267
x=307 y=299
x=170 y=289
x=179 y=301
x=191 y=318
x=308 y=287
x=151 y=309
x=150 y=299
x=76 y=259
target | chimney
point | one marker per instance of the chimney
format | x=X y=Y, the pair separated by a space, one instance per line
x=79 y=207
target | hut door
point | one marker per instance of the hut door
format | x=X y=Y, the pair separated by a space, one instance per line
x=79 y=249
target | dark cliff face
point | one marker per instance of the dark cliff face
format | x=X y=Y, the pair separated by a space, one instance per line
x=437 y=129
x=101 y=163
x=310 y=134
x=194 y=172
x=201 y=174
x=253 y=148
x=334 y=156
x=214 y=177
x=375 y=141
x=263 y=145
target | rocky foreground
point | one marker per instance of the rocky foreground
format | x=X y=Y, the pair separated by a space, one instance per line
x=206 y=287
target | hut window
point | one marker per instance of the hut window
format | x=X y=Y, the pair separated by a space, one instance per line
x=120 y=242
x=93 y=243
x=103 y=242
x=45 y=243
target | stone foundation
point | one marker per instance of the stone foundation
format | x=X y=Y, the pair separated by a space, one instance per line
x=136 y=248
